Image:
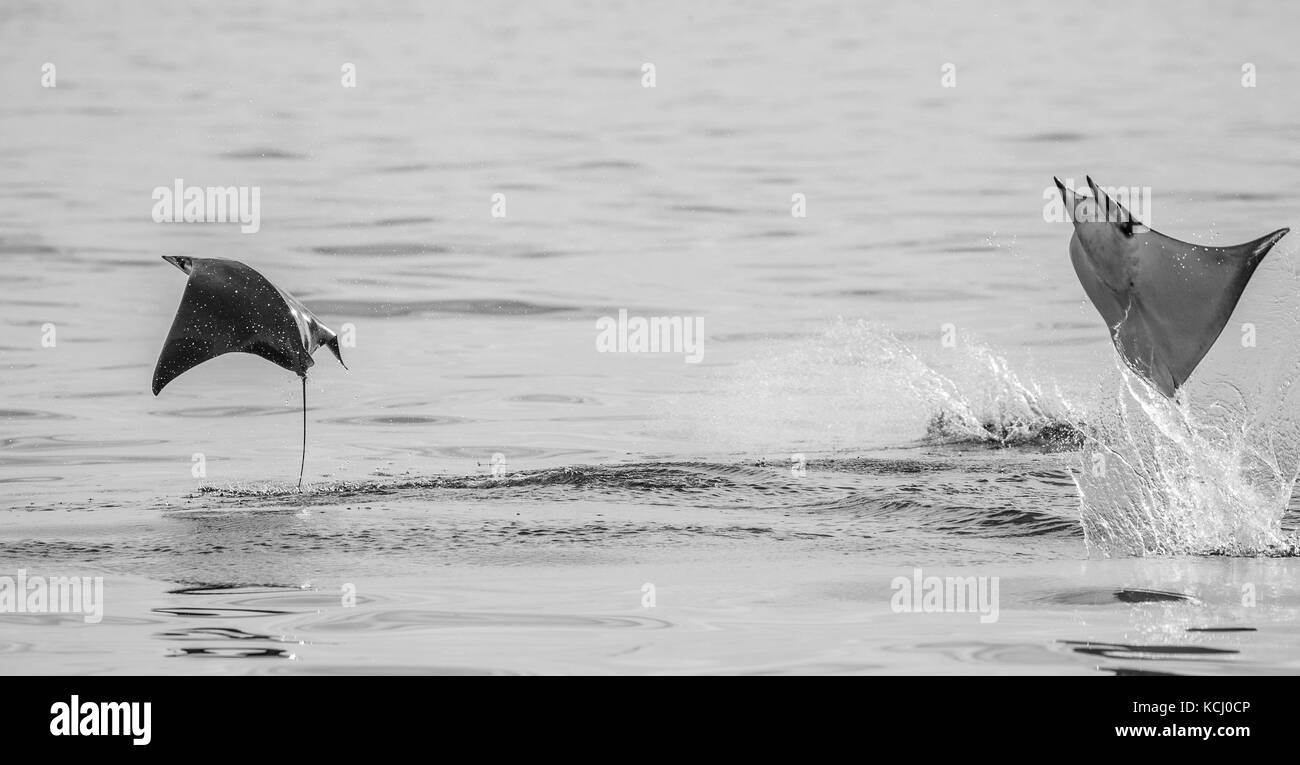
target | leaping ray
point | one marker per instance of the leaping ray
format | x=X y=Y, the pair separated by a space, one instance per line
x=1165 y=301
x=227 y=308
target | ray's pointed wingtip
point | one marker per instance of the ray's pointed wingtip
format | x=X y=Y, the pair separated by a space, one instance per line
x=1255 y=250
x=1270 y=240
x=183 y=262
x=1273 y=238
x=333 y=345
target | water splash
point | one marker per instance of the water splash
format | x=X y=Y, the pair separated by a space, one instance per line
x=989 y=402
x=856 y=385
x=1213 y=471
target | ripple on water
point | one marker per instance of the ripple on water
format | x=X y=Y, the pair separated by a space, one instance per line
x=1146 y=652
x=31 y=414
x=1105 y=596
x=399 y=249
x=224 y=411
x=405 y=619
x=32 y=443
x=483 y=453
x=262 y=153
x=227 y=652
x=218 y=612
x=398 y=419
x=391 y=308
x=552 y=398
x=414 y=220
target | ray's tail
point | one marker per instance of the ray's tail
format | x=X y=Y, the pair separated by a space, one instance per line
x=303 y=464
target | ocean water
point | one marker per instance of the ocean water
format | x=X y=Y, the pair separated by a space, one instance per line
x=907 y=378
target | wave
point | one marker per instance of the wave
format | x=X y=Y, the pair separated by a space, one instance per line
x=843 y=499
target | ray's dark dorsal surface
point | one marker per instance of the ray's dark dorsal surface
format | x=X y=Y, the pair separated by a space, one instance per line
x=1165 y=301
x=229 y=307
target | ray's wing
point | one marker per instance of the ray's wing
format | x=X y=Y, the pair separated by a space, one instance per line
x=228 y=307
x=1112 y=306
x=311 y=332
x=1181 y=297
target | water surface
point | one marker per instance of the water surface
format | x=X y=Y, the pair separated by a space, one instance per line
x=475 y=335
